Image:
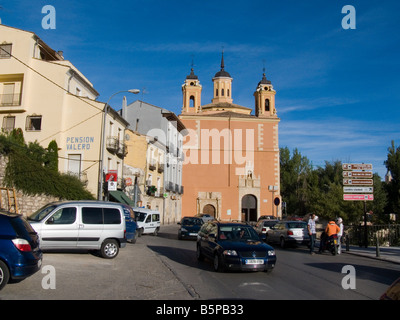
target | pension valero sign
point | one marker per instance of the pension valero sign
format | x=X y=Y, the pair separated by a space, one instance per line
x=357 y=177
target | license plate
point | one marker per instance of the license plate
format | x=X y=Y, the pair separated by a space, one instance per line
x=192 y=234
x=335 y=241
x=254 y=261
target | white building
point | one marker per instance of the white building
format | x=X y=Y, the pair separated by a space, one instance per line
x=50 y=99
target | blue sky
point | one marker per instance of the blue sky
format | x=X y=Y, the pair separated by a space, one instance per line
x=338 y=91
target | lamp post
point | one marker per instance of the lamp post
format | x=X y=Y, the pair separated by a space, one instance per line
x=103 y=142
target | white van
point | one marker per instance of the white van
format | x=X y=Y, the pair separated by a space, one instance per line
x=97 y=225
x=148 y=221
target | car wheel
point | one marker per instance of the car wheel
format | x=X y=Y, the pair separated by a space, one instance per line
x=109 y=249
x=134 y=238
x=199 y=255
x=282 y=242
x=218 y=265
x=156 y=232
x=140 y=232
x=4 y=274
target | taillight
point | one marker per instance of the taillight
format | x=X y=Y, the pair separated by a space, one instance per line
x=22 y=245
x=289 y=232
x=264 y=230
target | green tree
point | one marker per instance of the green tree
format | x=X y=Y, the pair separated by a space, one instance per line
x=393 y=187
x=51 y=157
x=295 y=170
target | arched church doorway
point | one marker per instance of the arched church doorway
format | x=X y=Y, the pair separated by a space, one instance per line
x=249 y=208
x=209 y=209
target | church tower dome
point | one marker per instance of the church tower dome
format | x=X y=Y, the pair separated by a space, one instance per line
x=222 y=85
x=191 y=91
x=265 y=98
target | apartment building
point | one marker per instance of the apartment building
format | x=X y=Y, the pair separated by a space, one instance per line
x=50 y=99
x=163 y=172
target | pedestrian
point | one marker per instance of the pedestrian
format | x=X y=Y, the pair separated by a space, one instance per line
x=312 y=231
x=340 y=234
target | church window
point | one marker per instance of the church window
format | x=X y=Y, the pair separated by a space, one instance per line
x=191 y=101
x=222 y=92
x=216 y=92
x=266 y=104
x=228 y=92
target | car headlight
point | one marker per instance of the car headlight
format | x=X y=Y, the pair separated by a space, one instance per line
x=271 y=252
x=230 y=253
x=183 y=229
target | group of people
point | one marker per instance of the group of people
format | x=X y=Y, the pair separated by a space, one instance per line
x=331 y=229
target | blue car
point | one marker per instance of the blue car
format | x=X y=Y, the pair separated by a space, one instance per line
x=20 y=254
x=234 y=246
x=189 y=227
x=131 y=233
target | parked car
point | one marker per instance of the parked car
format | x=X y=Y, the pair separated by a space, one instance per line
x=131 y=225
x=206 y=217
x=263 y=226
x=97 y=225
x=288 y=232
x=234 y=246
x=268 y=217
x=148 y=221
x=20 y=254
x=189 y=227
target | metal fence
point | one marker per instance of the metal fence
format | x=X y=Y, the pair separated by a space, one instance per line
x=385 y=234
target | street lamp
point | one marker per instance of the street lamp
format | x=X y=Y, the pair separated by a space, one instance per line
x=103 y=142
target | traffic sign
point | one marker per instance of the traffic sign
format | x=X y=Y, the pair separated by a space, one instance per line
x=361 y=197
x=357 y=174
x=357 y=166
x=358 y=189
x=358 y=182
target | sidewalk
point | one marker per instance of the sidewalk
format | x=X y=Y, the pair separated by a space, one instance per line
x=390 y=254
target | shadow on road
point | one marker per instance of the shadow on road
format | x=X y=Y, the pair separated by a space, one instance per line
x=182 y=256
x=362 y=271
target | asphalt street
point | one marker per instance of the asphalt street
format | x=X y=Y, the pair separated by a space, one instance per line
x=165 y=268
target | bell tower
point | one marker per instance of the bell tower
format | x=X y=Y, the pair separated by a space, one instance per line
x=265 y=98
x=222 y=85
x=191 y=91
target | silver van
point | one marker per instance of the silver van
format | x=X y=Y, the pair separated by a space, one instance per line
x=96 y=225
x=148 y=221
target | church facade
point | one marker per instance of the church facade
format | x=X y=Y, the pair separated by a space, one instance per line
x=231 y=166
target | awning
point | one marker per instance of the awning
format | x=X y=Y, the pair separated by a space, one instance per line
x=121 y=197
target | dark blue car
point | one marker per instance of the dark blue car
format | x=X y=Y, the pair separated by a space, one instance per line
x=189 y=227
x=20 y=255
x=234 y=246
x=131 y=233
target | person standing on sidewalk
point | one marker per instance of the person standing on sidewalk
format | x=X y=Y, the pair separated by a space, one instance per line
x=340 y=234
x=312 y=231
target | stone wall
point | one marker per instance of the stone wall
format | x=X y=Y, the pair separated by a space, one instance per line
x=26 y=204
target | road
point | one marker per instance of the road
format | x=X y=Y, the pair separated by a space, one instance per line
x=297 y=275
x=165 y=268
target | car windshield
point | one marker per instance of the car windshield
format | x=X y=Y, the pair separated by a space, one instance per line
x=238 y=233
x=192 y=221
x=298 y=225
x=140 y=216
x=41 y=213
x=269 y=223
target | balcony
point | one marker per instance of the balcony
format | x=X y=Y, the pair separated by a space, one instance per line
x=160 y=167
x=10 y=100
x=112 y=144
x=152 y=164
x=122 y=150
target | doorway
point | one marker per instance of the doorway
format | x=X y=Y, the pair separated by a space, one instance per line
x=209 y=209
x=249 y=208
